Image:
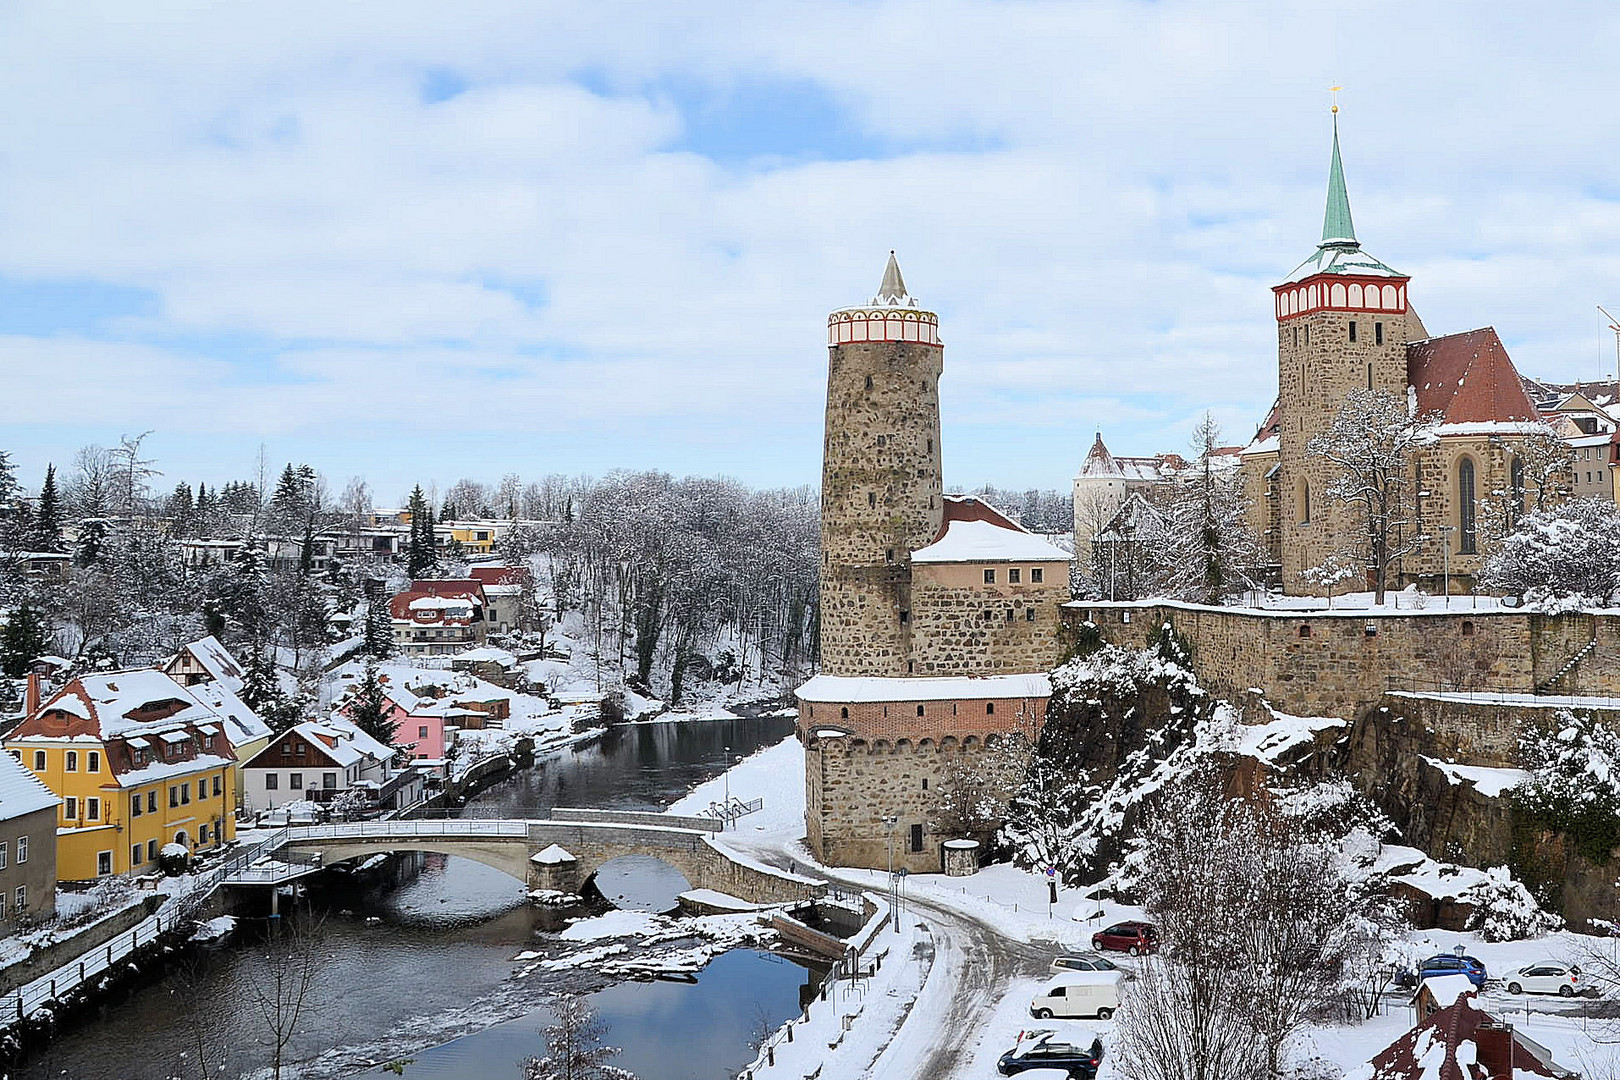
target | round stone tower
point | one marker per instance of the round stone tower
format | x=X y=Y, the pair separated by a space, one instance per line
x=880 y=480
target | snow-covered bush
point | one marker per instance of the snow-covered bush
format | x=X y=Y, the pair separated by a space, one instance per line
x=173 y=859
x=1563 y=558
x=1504 y=910
x=1574 y=784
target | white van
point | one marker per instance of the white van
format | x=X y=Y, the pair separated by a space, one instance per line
x=1079 y=993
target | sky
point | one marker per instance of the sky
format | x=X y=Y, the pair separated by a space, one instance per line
x=418 y=241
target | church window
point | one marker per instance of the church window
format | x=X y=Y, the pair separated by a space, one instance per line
x=989 y=576
x=1467 y=538
x=1390 y=302
x=1336 y=295
x=989 y=708
x=1516 y=482
x=1355 y=296
x=1352 y=330
x=1304 y=502
x=1378 y=333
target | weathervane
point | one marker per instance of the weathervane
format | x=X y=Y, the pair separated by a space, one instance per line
x=1334 y=90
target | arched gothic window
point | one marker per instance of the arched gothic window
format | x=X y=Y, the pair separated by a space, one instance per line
x=1467 y=533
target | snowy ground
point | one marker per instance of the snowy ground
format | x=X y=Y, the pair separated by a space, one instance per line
x=1013 y=906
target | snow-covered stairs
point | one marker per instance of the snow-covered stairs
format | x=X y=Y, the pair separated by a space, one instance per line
x=1569 y=665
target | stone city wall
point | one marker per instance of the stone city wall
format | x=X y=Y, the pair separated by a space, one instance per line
x=962 y=626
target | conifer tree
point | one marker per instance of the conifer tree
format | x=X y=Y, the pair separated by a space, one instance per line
x=369 y=709
x=23 y=639
x=92 y=543
x=48 y=518
x=379 y=628
x=421 y=555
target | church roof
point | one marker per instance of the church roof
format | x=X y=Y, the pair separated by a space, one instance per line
x=1339 y=252
x=1468 y=379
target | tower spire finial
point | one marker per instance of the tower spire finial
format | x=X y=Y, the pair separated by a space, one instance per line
x=893 y=288
x=1338 y=230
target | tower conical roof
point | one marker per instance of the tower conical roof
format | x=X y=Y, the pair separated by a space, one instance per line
x=1337 y=227
x=892 y=292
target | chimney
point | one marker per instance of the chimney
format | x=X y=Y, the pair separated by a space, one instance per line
x=31 y=699
x=1493 y=1043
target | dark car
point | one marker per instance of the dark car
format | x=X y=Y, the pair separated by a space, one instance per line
x=1447 y=964
x=1043 y=1049
x=1133 y=937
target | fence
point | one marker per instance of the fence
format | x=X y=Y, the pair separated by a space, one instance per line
x=1481 y=695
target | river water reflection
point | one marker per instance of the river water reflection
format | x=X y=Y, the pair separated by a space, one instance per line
x=426 y=959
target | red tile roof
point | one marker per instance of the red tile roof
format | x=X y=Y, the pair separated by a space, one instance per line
x=501 y=575
x=1468 y=379
x=1412 y=1056
x=968 y=508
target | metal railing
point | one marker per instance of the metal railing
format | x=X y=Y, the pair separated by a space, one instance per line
x=1484 y=694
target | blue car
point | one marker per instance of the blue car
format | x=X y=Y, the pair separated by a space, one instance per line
x=1447 y=964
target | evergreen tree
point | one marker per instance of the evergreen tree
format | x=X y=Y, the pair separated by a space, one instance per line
x=261 y=689
x=181 y=511
x=24 y=638
x=203 y=512
x=10 y=490
x=369 y=708
x=379 y=628
x=421 y=554
x=48 y=518
x=92 y=543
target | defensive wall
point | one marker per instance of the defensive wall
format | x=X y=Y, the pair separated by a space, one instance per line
x=1328 y=662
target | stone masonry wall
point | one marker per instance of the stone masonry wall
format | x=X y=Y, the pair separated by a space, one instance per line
x=880 y=498
x=985 y=629
x=928 y=719
x=1339 y=663
x=852 y=785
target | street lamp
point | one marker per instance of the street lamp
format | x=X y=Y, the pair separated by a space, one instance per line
x=1445 y=560
x=727 y=804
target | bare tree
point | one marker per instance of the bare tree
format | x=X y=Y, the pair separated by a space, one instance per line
x=131 y=473
x=89 y=488
x=1371 y=443
x=574 y=1047
x=971 y=799
x=283 y=986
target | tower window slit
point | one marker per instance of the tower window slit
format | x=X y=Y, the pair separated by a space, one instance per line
x=1352 y=330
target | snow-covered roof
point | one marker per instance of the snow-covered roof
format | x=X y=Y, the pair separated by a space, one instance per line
x=1341 y=259
x=487 y=654
x=439 y=603
x=242 y=724
x=984 y=541
x=1447 y=989
x=552 y=855
x=844 y=689
x=21 y=791
x=217 y=660
x=107 y=700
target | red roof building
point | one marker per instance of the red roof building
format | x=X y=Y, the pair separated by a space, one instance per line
x=1463 y=1042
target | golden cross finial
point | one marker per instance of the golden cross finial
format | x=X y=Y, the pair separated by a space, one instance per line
x=1334 y=90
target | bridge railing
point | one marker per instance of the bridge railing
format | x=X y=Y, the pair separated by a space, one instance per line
x=413 y=827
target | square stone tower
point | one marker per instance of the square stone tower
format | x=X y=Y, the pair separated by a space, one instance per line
x=1343 y=323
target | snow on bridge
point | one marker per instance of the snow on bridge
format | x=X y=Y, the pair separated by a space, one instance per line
x=588 y=838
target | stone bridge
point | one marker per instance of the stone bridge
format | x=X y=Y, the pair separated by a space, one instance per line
x=556 y=854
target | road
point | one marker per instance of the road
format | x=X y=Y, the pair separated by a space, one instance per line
x=973 y=966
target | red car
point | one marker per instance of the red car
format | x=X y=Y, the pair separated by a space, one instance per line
x=1133 y=937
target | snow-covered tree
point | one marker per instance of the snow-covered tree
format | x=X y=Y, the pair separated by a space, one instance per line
x=23 y=639
x=971 y=797
x=575 y=1047
x=1574 y=784
x=369 y=709
x=421 y=549
x=1371 y=445
x=378 y=631
x=48 y=515
x=1206 y=549
x=1564 y=557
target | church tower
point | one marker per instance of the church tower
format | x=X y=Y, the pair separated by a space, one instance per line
x=1343 y=324
x=880 y=483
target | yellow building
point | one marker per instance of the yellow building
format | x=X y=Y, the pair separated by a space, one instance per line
x=139 y=762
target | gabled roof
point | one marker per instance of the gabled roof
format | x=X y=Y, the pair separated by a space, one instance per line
x=336 y=738
x=1461 y=1042
x=21 y=791
x=242 y=724
x=430 y=595
x=1468 y=378
x=501 y=575
x=216 y=659
x=975 y=531
x=119 y=703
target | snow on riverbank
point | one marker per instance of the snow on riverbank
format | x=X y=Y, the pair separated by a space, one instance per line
x=775 y=776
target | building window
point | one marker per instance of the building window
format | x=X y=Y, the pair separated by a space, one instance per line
x=1516 y=483
x=271 y=781
x=1014 y=575
x=1467 y=628
x=151 y=801
x=151 y=851
x=1009 y=614
x=1467 y=535
x=135 y=809
x=329 y=781
x=869 y=382
x=989 y=577
x=92 y=809
x=70 y=808
x=2 y=854
x=871 y=500
x=1378 y=333
x=905 y=616
x=136 y=851
x=185 y=793
x=1369 y=376
x=843 y=713
x=218 y=785
x=1305 y=630
x=92 y=762
x=919 y=710
x=916 y=838
x=1037 y=575
x=421 y=732
x=1352 y=330
x=22 y=898
x=174 y=796
x=989 y=708
x=889 y=555
x=71 y=760
x=1029 y=614
x=103 y=863
x=1304 y=502
x=39 y=761
x=22 y=849
x=296 y=781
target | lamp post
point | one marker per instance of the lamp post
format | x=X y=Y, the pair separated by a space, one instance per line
x=1445 y=560
x=727 y=804
x=891 y=820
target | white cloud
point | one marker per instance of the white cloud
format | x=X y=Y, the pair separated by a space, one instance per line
x=1095 y=197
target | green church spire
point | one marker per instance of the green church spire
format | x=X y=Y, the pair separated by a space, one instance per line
x=1337 y=228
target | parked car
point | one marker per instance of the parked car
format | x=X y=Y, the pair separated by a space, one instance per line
x=1447 y=964
x=1082 y=962
x=1079 y=993
x=1133 y=937
x=1550 y=977
x=1044 y=1049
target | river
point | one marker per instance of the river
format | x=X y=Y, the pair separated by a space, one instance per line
x=421 y=966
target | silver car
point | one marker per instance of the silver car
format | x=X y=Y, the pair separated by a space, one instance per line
x=1083 y=961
